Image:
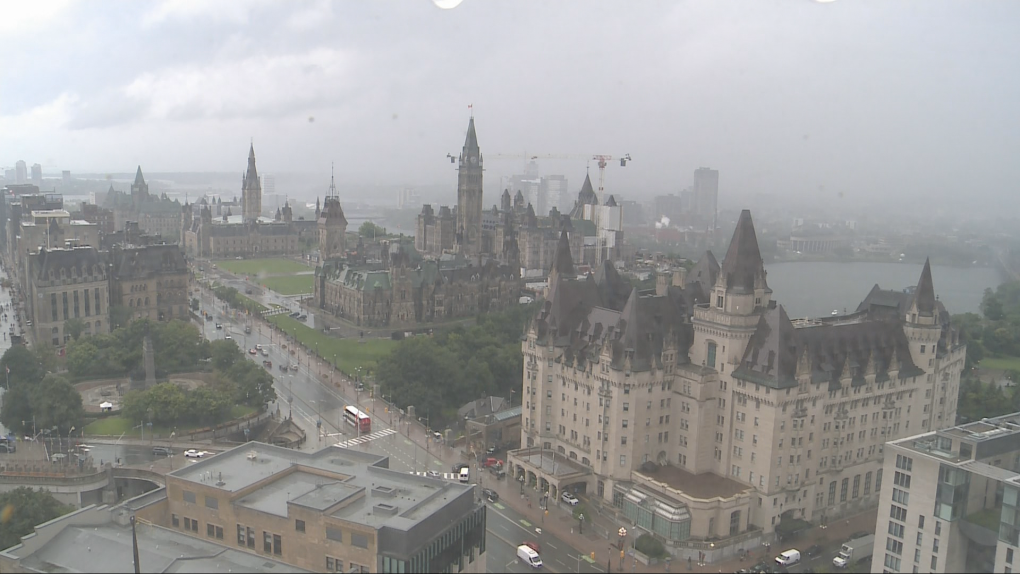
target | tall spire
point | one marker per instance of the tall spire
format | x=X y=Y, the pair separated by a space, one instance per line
x=743 y=268
x=332 y=185
x=139 y=180
x=471 y=141
x=924 y=295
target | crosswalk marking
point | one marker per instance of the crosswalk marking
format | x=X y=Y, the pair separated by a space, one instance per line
x=365 y=438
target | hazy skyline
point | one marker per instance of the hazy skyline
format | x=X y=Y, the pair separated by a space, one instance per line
x=790 y=97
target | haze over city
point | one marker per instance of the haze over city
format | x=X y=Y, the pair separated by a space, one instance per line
x=855 y=100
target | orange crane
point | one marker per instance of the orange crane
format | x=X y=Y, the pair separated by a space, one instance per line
x=603 y=161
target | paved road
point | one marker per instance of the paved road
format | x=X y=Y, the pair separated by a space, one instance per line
x=312 y=394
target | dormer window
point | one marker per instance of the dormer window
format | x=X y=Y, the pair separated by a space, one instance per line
x=719 y=301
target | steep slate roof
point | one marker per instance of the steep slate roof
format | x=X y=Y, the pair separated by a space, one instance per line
x=85 y=260
x=704 y=274
x=251 y=176
x=611 y=202
x=332 y=213
x=139 y=180
x=743 y=269
x=584 y=197
x=924 y=295
x=563 y=262
x=827 y=352
x=471 y=140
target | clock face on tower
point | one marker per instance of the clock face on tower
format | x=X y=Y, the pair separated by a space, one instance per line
x=474 y=160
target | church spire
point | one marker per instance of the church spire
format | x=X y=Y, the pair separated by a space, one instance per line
x=743 y=268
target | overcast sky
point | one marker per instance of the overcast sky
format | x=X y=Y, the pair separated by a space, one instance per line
x=864 y=97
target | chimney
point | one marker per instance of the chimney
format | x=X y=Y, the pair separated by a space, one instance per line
x=679 y=277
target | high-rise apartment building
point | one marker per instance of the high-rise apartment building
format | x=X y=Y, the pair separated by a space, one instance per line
x=705 y=194
x=37 y=174
x=708 y=403
x=21 y=171
x=950 y=500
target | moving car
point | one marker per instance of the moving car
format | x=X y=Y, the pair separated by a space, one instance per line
x=265 y=353
x=258 y=346
x=788 y=557
x=569 y=498
x=490 y=495
x=294 y=367
x=465 y=474
x=219 y=326
x=192 y=453
x=433 y=474
x=529 y=556
x=267 y=364
x=162 y=451
x=252 y=352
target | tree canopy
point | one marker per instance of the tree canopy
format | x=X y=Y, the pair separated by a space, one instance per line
x=438 y=374
x=369 y=229
x=50 y=403
x=21 y=365
x=178 y=346
x=23 y=509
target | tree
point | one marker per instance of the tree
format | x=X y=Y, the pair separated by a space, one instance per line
x=56 y=404
x=74 y=327
x=120 y=316
x=22 y=366
x=195 y=304
x=81 y=357
x=46 y=356
x=16 y=413
x=992 y=306
x=23 y=509
x=369 y=229
x=254 y=385
x=224 y=353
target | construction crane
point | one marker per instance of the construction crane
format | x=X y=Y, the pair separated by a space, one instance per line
x=603 y=161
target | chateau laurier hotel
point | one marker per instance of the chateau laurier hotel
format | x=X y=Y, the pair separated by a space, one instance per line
x=706 y=414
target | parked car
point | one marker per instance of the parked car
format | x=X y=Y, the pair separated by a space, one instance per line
x=162 y=451
x=219 y=326
x=283 y=367
x=361 y=387
x=258 y=346
x=788 y=557
x=569 y=498
x=265 y=353
x=433 y=474
x=267 y=364
x=490 y=495
x=457 y=466
x=294 y=367
x=192 y=453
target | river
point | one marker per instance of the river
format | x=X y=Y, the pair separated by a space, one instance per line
x=816 y=289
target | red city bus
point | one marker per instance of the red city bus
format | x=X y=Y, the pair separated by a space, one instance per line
x=358 y=419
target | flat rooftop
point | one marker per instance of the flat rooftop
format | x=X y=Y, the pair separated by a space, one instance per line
x=704 y=486
x=346 y=484
x=107 y=548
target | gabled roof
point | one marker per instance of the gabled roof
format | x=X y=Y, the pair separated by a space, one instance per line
x=743 y=269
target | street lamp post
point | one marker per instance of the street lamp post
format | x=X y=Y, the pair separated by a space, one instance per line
x=522 y=485
x=580 y=523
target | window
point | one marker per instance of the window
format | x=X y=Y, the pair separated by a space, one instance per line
x=934 y=563
x=77 y=308
x=211 y=502
x=65 y=305
x=843 y=489
x=711 y=350
x=299 y=525
x=935 y=545
x=896 y=529
x=53 y=306
x=188 y=496
x=240 y=535
x=98 y=309
x=334 y=564
x=87 y=307
x=900 y=479
x=214 y=531
x=334 y=534
x=867 y=483
x=277 y=544
x=626 y=407
x=857 y=486
x=938 y=528
x=904 y=462
x=175 y=521
x=359 y=540
x=623 y=460
x=898 y=513
x=894 y=546
x=267 y=542
x=624 y=423
x=920 y=521
x=892 y=562
x=832 y=493
x=190 y=524
x=251 y=538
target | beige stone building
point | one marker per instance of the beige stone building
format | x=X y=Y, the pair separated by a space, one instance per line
x=705 y=414
x=63 y=284
x=150 y=281
x=950 y=500
x=335 y=510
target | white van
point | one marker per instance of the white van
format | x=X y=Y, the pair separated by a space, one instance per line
x=529 y=556
x=788 y=557
x=465 y=474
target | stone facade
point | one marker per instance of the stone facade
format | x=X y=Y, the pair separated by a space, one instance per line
x=712 y=383
x=246 y=235
x=65 y=284
x=151 y=282
x=157 y=215
x=407 y=291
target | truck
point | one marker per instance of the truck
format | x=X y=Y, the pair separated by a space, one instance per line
x=854 y=551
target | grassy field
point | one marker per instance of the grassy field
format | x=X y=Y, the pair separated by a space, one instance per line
x=115 y=426
x=263 y=266
x=1001 y=363
x=350 y=353
x=251 y=304
x=290 y=284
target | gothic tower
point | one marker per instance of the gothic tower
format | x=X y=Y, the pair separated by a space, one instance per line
x=332 y=225
x=139 y=189
x=469 y=195
x=251 y=190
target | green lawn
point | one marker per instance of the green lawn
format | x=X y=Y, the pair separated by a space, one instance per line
x=290 y=284
x=1001 y=363
x=263 y=266
x=115 y=426
x=350 y=353
x=251 y=304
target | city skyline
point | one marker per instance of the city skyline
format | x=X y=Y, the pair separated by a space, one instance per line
x=789 y=98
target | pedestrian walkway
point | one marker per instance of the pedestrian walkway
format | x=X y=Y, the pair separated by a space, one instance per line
x=365 y=438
